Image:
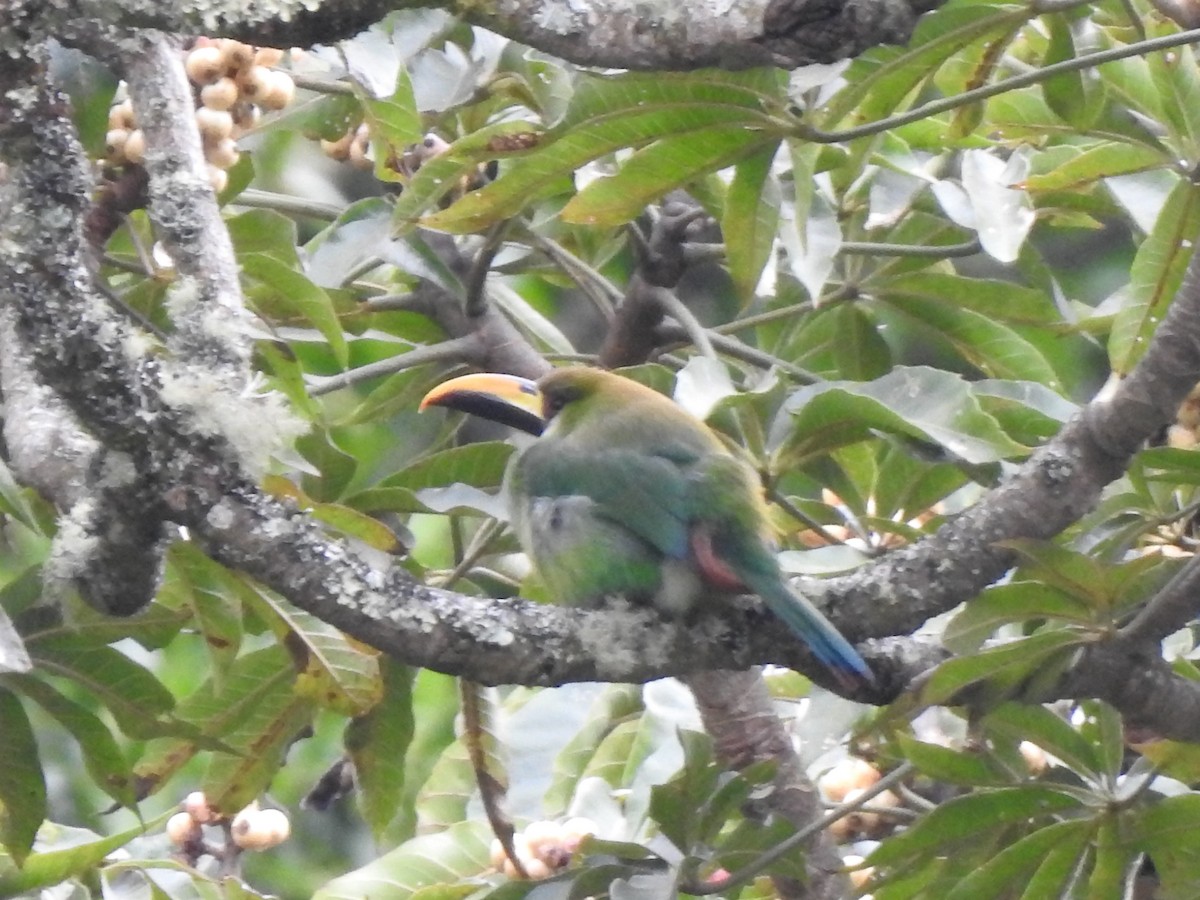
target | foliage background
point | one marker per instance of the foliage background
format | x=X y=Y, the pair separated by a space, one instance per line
x=898 y=307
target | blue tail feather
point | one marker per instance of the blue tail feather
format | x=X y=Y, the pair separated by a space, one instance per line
x=810 y=625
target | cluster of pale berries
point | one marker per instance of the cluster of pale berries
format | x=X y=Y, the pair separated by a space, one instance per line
x=850 y=778
x=234 y=83
x=543 y=848
x=254 y=828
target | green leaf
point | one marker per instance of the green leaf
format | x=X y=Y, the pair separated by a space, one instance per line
x=1155 y=276
x=22 y=786
x=1115 y=863
x=216 y=609
x=395 y=123
x=1004 y=604
x=881 y=79
x=996 y=349
x=332 y=670
x=448 y=857
x=287 y=292
x=443 y=797
x=1166 y=832
x=953 y=766
x=674 y=805
x=337 y=467
x=918 y=402
x=101 y=755
x=653 y=171
x=1093 y=162
x=354 y=523
x=136 y=699
x=377 y=743
x=974 y=817
x=1018 y=722
x=450 y=169
x=1067 y=92
x=1029 y=412
x=63 y=853
x=1175 y=74
x=265 y=232
x=480 y=465
x=1001 y=301
x=750 y=219
x=610 y=113
x=254 y=716
x=1017 y=862
x=1006 y=666
x=618 y=704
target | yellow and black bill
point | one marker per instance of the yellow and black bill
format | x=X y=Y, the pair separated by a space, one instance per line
x=507 y=399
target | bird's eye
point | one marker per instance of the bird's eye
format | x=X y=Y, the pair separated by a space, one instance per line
x=552 y=405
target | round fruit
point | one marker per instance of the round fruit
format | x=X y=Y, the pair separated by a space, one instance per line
x=182 y=828
x=205 y=65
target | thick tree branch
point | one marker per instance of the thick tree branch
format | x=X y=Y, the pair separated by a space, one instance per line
x=737 y=711
x=662 y=35
x=93 y=360
x=1058 y=484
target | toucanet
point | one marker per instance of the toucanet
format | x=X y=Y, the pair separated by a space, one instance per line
x=625 y=493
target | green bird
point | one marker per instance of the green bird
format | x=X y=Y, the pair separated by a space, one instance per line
x=624 y=493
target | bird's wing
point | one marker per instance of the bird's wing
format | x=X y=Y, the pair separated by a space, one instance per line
x=644 y=493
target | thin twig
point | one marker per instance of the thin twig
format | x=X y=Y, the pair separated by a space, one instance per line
x=800 y=515
x=869 y=248
x=321 y=85
x=780 y=850
x=1037 y=76
x=454 y=350
x=602 y=292
x=297 y=206
x=677 y=310
x=473 y=285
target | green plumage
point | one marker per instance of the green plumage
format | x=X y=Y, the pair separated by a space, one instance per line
x=625 y=493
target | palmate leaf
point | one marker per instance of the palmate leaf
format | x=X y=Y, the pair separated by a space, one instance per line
x=1020 y=861
x=974 y=819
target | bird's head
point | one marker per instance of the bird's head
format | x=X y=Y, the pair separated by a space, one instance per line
x=559 y=400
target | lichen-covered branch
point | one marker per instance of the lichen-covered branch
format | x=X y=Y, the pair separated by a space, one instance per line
x=660 y=34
